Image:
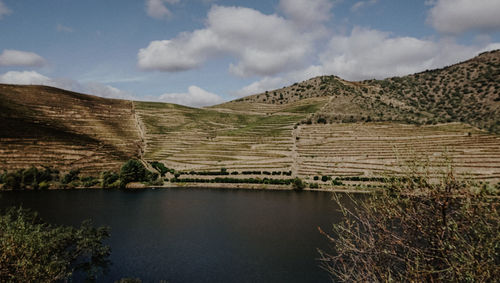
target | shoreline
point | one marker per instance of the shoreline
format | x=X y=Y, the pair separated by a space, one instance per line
x=221 y=186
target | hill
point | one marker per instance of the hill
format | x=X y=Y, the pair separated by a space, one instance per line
x=42 y=125
x=467 y=92
x=325 y=126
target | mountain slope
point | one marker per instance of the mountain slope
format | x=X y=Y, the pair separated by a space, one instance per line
x=323 y=126
x=466 y=92
x=47 y=126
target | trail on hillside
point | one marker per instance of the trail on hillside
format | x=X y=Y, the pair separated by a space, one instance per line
x=294 y=154
x=140 y=128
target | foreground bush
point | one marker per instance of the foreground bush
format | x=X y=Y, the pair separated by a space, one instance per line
x=418 y=230
x=33 y=251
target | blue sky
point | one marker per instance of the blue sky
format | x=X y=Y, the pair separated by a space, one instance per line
x=202 y=52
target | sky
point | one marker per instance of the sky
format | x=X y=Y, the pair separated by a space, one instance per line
x=204 y=52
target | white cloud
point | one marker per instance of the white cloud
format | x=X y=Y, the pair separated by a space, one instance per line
x=268 y=83
x=367 y=53
x=307 y=12
x=106 y=91
x=491 y=47
x=35 y=78
x=262 y=85
x=20 y=59
x=361 y=4
x=4 y=10
x=157 y=8
x=63 y=28
x=195 y=97
x=26 y=78
x=262 y=44
x=459 y=16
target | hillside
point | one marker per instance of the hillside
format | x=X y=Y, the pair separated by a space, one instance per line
x=467 y=92
x=47 y=126
x=325 y=126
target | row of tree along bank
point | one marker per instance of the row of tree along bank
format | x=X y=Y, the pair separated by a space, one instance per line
x=134 y=174
x=133 y=171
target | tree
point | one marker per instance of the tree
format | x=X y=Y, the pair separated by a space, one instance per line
x=132 y=171
x=109 y=179
x=34 y=251
x=71 y=176
x=418 y=230
x=298 y=184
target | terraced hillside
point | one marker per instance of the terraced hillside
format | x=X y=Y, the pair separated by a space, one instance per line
x=353 y=131
x=188 y=138
x=369 y=150
x=355 y=153
x=47 y=126
x=466 y=92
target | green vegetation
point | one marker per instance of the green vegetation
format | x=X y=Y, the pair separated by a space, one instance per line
x=32 y=178
x=418 y=230
x=71 y=176
x=110 y=180
x=134 y=171
x=34 y=251
x=298 y=184
x=160 y=167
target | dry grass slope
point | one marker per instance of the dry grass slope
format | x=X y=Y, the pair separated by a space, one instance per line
x=47 y=126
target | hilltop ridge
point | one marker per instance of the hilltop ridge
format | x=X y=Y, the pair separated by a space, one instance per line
x=464 y=92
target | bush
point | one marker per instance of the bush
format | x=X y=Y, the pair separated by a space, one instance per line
x=132 y=171
x=313 y=186
x=89 y=181
x=33 y=251
x=109 y=179
x=418 y=230
x=71 y=176
x=160 y=167
x=298 y=184
x=13 y=180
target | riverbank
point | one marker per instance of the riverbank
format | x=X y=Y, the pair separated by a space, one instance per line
x=262 y=187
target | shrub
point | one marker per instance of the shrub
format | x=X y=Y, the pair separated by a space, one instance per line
x=33 y=251
x=132 y=171
x=13 y=180
x=418 y=230
x=298 y=184
x=160 y=167
x=313 y=186
x=30 y=177
x=325 y=178
x=71 y=176
x=109 y=179
x=89 y=181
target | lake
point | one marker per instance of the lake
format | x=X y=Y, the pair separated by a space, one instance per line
x=199 y=235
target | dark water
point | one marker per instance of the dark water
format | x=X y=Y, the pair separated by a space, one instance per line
x=199 y=235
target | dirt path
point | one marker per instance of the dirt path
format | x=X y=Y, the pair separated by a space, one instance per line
x=140 y=128
x=294 y=154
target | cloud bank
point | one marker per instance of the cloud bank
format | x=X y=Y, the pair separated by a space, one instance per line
x=195 y=96
x=16 y=58
x=35 y=78
x=459 y=16
x=261 y=44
